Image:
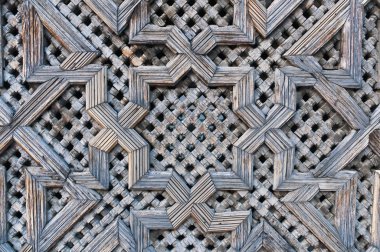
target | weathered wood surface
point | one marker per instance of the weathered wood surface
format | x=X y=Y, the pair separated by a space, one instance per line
x=107 y=192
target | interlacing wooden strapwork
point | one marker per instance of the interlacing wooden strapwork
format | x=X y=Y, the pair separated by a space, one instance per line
x=117 y=200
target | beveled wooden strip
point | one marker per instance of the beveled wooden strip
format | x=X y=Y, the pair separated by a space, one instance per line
x=203 y=215
x=116 y=234
x=322 y=31
x=241 y=233
x=178 y=213
x=278 y=11
x=242 y=165
x=178 y=189
x=107 y=10
x=138 y=164
x=277 y=141
x=255 y=239
x=36 y=147
x=86 y=178
x=343 y=103
x=125 y=12
x=243 y=92
x=345 y=202
x=36 y=204
x=228 y=181
x=126 y=240
x=251 y=140
x=142 y=221
x=227 y=221
x=351 y=146
x=299 y=180
x=317 y=224
x=105 y=140
x=264 y=236
x=61 y=28
x=293 y=75
x=259 y=16
x=273 y=241
x=266 y=20
x=1 y=49
x=213 y=36
x=202 y=190
x=63 y=221
x=283 y=166
x=78 y=60
x=351 y=59
x=32 y=40
x=79 y=77
x=304 y=194
x=277 y=116
x=243 y=20
x=105 y=115
x=375 y=229
x=96 y=88
x=139 y=19
x=3 y=206
x=6 y=113
x=335 y=95
x=35 y=181
x=131 y=114
x=241 y=32
x=39 y=101
x=285 y=90
x=251 y=115
x=140 y=79
x=153 y=180
x=99 y=166
x=374 y=141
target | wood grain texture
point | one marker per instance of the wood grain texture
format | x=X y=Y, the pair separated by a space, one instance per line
x=118 y=98
x=266 y=20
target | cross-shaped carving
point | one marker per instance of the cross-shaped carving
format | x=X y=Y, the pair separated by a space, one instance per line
x=189 y=202
x=116 y=131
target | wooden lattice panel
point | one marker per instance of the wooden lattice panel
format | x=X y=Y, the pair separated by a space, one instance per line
x=198 y=125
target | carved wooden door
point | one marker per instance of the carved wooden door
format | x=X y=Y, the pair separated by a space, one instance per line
x=197 y=125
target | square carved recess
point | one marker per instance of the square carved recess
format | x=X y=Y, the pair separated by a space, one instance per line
x=189 y=125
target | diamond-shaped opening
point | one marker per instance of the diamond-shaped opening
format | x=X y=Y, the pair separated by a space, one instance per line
x=67 y=127
x=191 y=134
x=316 y=128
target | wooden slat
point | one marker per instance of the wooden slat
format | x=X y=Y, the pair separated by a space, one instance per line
x=3 y=206
x=61 y=28
x=345 y=217
x=375 y=229
x=36 y=147
x=32 y=40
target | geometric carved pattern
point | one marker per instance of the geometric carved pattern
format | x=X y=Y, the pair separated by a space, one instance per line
x=253 y=22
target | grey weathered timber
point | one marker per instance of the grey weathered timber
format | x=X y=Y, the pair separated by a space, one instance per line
x=197 y=125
